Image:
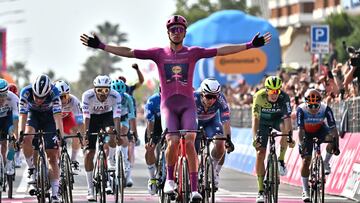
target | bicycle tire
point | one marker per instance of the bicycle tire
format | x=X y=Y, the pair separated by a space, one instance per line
x=120 y=177
x=102 y=175
x=275 y=180
x=41 y=180
x=209 y=181
x=201 y=174
x=320 y=183
x=2 y=177
x=10 y=181
x=185 y=194
x=161 y=177
x=67 y=183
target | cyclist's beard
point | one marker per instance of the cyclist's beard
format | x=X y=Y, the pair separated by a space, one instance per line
x=175 y=43
x=101 y=97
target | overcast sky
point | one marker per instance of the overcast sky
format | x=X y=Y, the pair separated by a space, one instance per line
x=45 y=34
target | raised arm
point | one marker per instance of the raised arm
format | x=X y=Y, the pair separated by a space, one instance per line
x=255 y=42
x=94 y=42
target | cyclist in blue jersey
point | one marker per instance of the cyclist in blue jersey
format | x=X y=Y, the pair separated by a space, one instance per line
x=152 y=136
x=127 y=115
x=311 y=117
x=40 y=109
x=213 y=115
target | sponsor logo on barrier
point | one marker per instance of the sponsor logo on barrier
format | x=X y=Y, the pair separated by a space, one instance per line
x=353 y=181
x=342 y=169
x=249 y=61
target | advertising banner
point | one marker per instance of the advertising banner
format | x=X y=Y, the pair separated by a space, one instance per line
x=234 y=27
x=3 y=49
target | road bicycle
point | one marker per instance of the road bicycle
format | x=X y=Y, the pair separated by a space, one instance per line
x=101 y=173
x=272 y=178
x=66 y=166
x=206 y=168
x=42 y=183
x=160 y=174
x=317 y=173
x=182 y=193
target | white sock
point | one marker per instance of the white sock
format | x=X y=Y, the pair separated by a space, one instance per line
x=218 y=168
x=305 y=182
x=215 y=162
x=151 y=170
x=54 y=187
x=125 y=152
x=327 y=157
x=112 y=151
x=74 y=153
x=29 y=161
x=89 y=179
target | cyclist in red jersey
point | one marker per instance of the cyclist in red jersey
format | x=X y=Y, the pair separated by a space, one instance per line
x=176 y=65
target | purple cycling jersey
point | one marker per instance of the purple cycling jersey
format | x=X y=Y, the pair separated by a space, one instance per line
x=176 y=69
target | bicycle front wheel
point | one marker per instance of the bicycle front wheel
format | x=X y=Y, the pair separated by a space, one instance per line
x=185 y=181
x=2 y=177
x=102 y=174
x=319 y=181
x=120 y=177
x=41 y=180
x=209 y=181
x=66 y=179
x=272 y=179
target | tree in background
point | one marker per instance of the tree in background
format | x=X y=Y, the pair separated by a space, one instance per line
x=204 y=8
x=100 y=62
x=344 y=28
x=20 y=74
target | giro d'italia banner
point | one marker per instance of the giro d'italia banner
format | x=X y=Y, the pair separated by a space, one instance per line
x=3 y=49
x=234 y=27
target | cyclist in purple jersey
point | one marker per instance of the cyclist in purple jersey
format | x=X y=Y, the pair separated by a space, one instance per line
x=176 y=65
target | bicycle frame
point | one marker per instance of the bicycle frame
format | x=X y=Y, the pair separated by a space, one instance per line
x=183 y=178
x=272 y=179
x=66 y=174
x=317 y=174
x=42 y=180
x=206 y=168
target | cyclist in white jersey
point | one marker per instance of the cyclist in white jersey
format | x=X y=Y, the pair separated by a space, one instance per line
x=101 y=109
x=71 y=115
x=9 y=117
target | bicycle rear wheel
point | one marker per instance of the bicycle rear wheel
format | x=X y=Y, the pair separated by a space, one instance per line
x=66 y=180
x=120 y=179
x=41 y=180
x=102 y=174
x=209 y=181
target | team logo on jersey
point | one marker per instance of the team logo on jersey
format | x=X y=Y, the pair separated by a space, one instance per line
x=176 y=72
x=101 y=108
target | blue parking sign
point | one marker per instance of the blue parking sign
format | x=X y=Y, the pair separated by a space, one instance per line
x=320 y=39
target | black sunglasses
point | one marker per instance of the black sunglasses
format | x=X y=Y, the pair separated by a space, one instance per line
x=313 y=106
x=210 y=96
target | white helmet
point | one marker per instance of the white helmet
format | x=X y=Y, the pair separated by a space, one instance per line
x=102 y=81
x=42 y=86
x=210 y=86
x=62 y=86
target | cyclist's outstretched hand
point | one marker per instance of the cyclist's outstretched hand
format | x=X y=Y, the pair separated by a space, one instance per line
x=259 y=41
x=93 y=42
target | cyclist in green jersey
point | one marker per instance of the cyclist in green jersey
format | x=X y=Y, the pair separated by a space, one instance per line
x=271 y=108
